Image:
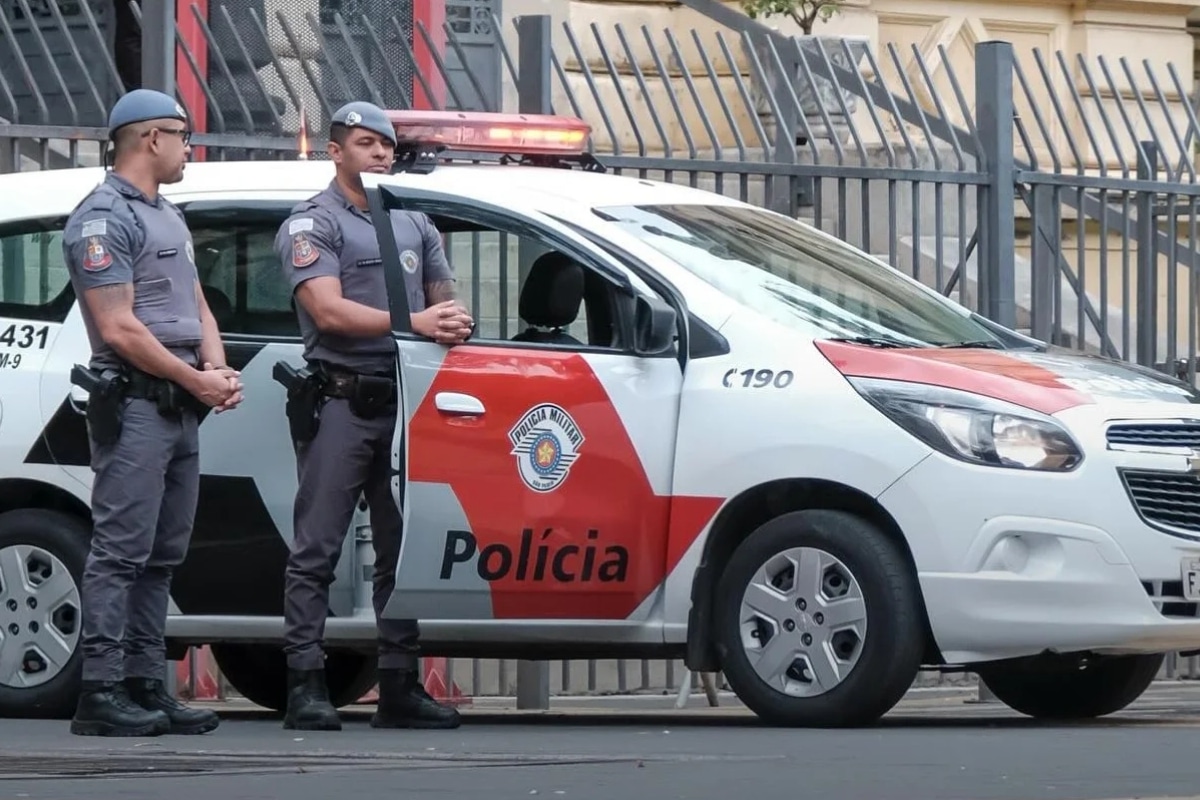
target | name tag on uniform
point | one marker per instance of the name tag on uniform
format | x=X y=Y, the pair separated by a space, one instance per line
x=369 y=262
x=168 y=253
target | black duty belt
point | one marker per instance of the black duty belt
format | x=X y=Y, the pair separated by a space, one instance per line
x=346 y=385
x=145 y=386
x=170 y=397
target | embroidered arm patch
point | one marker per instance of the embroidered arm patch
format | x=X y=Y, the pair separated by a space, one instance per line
x=303 y=252
x=96 y=256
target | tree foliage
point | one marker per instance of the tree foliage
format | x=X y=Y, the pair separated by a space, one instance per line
x=805 y=13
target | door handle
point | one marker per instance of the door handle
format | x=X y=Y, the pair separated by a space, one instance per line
x=455 y=403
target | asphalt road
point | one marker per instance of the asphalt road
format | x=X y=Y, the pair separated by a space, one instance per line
x=934 y=745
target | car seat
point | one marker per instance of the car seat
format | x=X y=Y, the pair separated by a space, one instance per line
x=550 y=299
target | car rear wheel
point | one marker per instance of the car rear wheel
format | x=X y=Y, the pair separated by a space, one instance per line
x=1070 y=687
x=259 y=673
x=42 y=556
x=819 y=621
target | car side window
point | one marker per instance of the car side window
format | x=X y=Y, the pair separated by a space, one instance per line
x=239 y=269
x=34 y=281
x=522 y=291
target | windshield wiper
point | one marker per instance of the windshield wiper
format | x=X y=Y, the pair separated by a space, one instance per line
x=990 y=344
x=873 y=341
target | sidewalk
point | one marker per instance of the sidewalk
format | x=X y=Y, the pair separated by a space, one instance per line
x=1166 y=697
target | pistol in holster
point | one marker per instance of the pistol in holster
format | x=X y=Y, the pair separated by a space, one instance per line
x=106 y=394
x=305 y=396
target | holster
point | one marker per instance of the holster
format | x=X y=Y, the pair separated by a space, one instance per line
x=305 y=396
x=106 y=390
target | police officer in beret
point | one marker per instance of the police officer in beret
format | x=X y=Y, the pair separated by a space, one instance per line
x=156 y=361
x=330 y=255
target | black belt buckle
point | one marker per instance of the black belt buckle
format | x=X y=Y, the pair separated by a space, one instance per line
x=371 y=395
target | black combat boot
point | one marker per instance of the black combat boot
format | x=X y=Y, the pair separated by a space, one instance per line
x=105 y=709
x=404 y=703
x=308 y=706
x=152 y=695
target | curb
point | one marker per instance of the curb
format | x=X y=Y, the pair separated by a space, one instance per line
x=614 y=703
x=660 y=703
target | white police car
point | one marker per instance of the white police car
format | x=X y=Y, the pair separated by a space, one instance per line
x=735 y=439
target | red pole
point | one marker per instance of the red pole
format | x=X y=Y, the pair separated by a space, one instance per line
x=431 y=14
x=190 y=87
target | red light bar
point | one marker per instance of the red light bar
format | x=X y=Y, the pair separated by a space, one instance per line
x=514 y=134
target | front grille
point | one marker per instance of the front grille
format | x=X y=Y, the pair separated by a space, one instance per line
x=1165 y=498
x=1171 y=434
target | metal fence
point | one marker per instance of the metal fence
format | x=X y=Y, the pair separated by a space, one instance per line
x=1052 y=194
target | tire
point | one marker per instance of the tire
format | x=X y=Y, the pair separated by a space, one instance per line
x=38 y=546
x=1067 y=687
x=259 y=673
x=882 y=656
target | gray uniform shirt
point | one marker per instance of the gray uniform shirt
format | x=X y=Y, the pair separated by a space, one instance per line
x=118 y=235
x=329 y=235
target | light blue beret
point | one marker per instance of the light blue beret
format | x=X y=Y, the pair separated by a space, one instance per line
x=365 y=115
x=141 y=105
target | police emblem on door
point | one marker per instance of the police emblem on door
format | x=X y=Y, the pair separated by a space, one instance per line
x=546 y=443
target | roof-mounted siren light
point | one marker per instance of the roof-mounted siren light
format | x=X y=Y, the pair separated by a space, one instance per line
x=485 y=132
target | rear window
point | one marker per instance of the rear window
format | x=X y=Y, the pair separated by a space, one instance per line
x=34 y=282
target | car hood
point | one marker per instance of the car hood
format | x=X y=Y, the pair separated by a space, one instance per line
x=1048 y=382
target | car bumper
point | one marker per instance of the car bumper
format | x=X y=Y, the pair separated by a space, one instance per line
x=1013 y=564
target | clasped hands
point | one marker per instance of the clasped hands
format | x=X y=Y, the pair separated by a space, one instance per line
x=445 y=323
x=219 y=388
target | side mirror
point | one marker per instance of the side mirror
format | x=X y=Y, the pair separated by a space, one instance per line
x=654 y=327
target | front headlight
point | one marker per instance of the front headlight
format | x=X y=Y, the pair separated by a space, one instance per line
x=974 y=428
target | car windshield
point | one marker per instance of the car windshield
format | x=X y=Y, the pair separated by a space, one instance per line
x=799 y=278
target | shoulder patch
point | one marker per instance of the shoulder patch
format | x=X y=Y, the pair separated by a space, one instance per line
x=94 y=227
x=97 y=258
x=300 y=224
x=303 y=253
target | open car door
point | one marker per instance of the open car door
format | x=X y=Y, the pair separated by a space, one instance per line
x=533 y=479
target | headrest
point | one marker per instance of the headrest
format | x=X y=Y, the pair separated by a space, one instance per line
x=553 y=291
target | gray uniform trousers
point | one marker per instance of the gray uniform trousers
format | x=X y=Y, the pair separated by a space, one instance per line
x=143 y=506
x=349 y=457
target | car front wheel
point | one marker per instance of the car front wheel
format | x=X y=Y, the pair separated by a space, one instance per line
x=1070 y=687
x=819 y=621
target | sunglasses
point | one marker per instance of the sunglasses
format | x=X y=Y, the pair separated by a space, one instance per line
x=182 y=133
